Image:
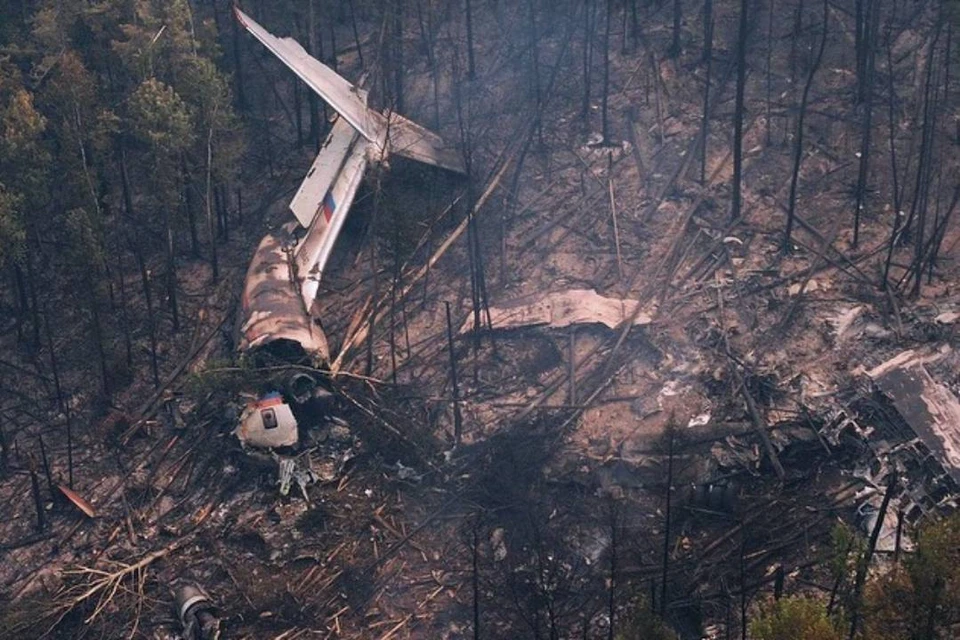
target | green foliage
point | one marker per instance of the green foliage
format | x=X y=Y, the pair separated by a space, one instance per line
x=161 y=118
x=13 y=236
x=228 y=379
x=923 y=596
x=933 y=568
x=85 y=245
x=794 y=618
x=22 y=123
x=847 y=546
x=22 y=156
x=643 y=624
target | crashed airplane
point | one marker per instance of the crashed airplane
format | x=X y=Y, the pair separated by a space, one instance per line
x=284 y=276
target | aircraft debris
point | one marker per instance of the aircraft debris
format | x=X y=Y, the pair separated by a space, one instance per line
x=700 y=420
x=296 y=470
x=930 y=409
x=562 y=309
x=274 y=313
x=284 y=275
x=197 y=613
x=406 y=473
x=498 y=544
x=78 y=501
x=268 y=423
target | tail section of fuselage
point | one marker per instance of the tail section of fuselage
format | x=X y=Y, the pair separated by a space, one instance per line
x=284 y=276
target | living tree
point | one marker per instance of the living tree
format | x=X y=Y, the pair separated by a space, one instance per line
x=919 y=600
x=794 y=618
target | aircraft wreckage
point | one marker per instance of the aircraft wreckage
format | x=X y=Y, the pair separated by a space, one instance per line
x=284 y=275
x=918 y=439
x=278 y=314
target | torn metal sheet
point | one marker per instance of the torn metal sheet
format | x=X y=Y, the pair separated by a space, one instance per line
x=268 y=423
x=272 y=311
x=562 y=309
x=297 y=470
x=928 y=407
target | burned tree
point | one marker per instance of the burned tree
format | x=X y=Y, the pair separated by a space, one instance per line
x=742 y=35
x=869 y=39
x=798 y=143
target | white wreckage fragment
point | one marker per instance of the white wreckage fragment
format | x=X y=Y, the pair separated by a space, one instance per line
x=563 y=309
x=267 y=423
x=931 y=409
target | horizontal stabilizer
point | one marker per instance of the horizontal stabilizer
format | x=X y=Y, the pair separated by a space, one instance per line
x=410 y=140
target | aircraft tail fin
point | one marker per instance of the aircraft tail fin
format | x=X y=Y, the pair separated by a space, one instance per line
x=395 y=134
x=410 y=140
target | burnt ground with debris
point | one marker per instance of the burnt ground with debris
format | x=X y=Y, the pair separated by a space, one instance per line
x=754 y=403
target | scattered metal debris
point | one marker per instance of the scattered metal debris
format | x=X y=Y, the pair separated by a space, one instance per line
x=197 y=613
x=296 y=470
x=928 y=407
x=562 y=309
x=78 y=501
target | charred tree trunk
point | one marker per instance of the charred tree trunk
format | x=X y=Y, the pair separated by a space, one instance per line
x=670 y=435
x=188 y=203
x=606 y=76
x=238 y=66
x=397 y=63
x=707 y=30
x=705 y=119
x=211 y=228
x=457 y=418
x=54 y=361
x=794 y=55
x=612 y=591
x=33 y=286
x=171 y=271
x=861 y=189
x=674 y=50
x=471 y=67
x=864 y=565
x=918 y=207
x=332 y=31
x=897 y=205
x=738 y=110
x=298 y=109
x=535 y=68
x=476 y=580
x=23 y=307
x=125 y=181
x=589 y=15
x=769 y=56
x=312 y=49
x=96 y=332
x=124 y=313
x=356 y=32
x=151 y=320
x=798 y=144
